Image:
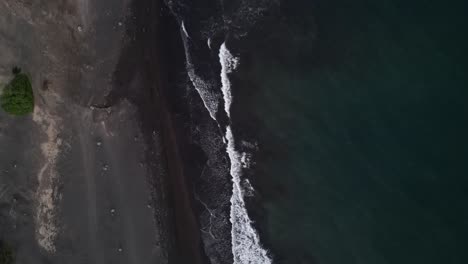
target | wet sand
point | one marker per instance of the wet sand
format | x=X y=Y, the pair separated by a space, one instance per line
x=158 y=121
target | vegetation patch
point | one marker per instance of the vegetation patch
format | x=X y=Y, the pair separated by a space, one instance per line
x=17 y=97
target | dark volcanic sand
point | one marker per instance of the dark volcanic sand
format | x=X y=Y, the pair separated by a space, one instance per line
x=143 y=58
x=90 y=177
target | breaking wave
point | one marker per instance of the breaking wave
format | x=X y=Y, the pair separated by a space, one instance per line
x=210 y=99
x=246 y=246
x=228 y=64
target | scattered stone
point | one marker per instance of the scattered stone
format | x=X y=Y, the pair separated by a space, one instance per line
x=148 y=206
x=112 y=211
x=105 y=167
x=120 y=249
x=46 y=84
x=80 y=29
x=99 y=143
x=120 y=24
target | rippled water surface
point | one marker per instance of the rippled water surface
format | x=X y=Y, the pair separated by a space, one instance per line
x=360 y=109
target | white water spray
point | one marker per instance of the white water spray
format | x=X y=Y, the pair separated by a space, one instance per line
x=210 y=99
x=246 y=246
x=182 y=25
x=228 y=64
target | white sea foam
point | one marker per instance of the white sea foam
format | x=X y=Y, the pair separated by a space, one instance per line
x=228 y=64
x=208 y=42
x=210 y=99
x=248 y=188
x=182 y=25
x=246 y=246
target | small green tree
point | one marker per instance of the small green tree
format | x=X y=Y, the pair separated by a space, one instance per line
x=6 y=254
x=17 y=97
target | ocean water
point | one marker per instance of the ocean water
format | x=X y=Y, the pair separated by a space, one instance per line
x=359 y=109
x=344 y=125
x=208 y=66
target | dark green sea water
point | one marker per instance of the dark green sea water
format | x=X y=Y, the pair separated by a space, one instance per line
x=361 y=112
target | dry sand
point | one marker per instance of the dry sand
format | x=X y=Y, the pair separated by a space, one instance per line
x=76 y=185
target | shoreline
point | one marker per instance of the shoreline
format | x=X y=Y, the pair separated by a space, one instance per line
x=186 y=246
x=142 y=173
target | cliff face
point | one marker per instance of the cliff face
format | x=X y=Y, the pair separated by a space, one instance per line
x=82 y=178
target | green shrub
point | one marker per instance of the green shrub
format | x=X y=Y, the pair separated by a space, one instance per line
x=6 y=254
x=17 y=97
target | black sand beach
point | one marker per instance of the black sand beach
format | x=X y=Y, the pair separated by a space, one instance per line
x=95 y=175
